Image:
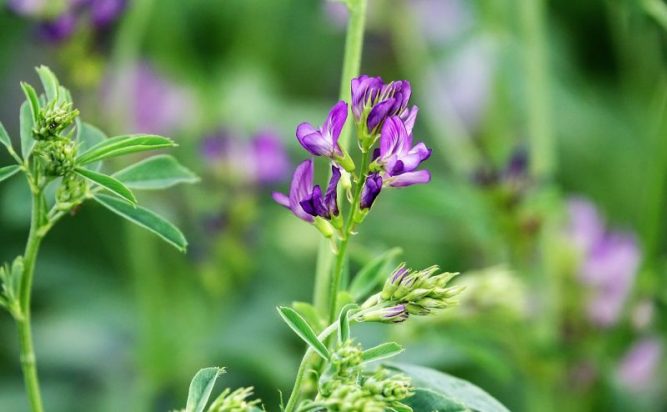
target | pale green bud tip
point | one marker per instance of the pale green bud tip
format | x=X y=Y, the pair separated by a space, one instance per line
x=236 y=401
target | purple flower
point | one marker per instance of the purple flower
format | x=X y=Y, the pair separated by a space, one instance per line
x=396 y=314
x=370 y=191
x=305 y=200
x=379 y=101
x=638 y=367
x=58 y=29
x=156 y=105
x=105 y=12
x=300 y=190
x=327 y=206
x=270 y=160
x=262 y=160
x=610 y=260
x=398 y=157
x=324 y=141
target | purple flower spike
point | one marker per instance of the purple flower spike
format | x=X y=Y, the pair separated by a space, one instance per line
x=399 y=158
x=324 y=141
x=370 y=191
x=300 y=190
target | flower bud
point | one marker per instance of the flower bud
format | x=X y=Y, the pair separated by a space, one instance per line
x=53 y=119
x=56 y=156
x=391 y=314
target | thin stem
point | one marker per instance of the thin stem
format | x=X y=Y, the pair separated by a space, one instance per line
x=542 y=157
x=28 y=359
x=334 y=286
x=354 y=41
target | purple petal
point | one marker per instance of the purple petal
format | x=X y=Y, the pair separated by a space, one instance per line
x=281 y=199
x=331 y=197
x=301 y=187
x=409 y=119
x=392 y=137
x=104 y=12
x=370 y=191
x=335 y=122
x=410 y=178
x=312 y=140
x=638 y=367
x=58 y=29
x=364 y=89
x=379 y=113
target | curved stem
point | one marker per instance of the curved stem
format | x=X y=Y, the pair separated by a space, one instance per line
x=28 y=359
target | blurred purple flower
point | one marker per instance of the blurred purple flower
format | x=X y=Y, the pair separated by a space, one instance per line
x=638 y=367
x=262 y=160
x=154 y=104
x=609 y=262
x=399 y=158
x=58 y=29
x=336 y=12
x=442 y=20
x=324 y=140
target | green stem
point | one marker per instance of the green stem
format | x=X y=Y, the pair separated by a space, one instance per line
x=341 y=256
x=28 y=359
x=537 y=89
x=351 y=65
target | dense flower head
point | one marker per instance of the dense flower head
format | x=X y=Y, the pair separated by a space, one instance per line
x=373 y=101
x=609 y=262
x=407 y=292
x=307 y=201
x=398 y=158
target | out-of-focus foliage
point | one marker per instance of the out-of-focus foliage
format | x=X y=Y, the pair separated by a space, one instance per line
x=564 y=266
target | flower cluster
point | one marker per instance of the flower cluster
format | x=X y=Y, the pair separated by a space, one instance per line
x=236 y=401
x=380 y=113
x=58 y=20
x=408 y=292
x=345 y=387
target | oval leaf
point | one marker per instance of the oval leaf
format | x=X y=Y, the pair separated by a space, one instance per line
x=27 y=124
x=49 y=82
x=437 y=391
x=108 y=182
x=4 y=137
x=157 y=172
x=8 y=171
x=303 y=329
x=201 y=387
x=373 y=273
x=382 y=351
x=33 y=99
x=120 y=145
x=89 y=136
x=146 y=219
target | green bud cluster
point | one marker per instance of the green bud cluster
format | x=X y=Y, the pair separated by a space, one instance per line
x=236 y=401
x=407 y=292
x=53 y=119
x=56 y=156
x=71 y=192
x=346 y=387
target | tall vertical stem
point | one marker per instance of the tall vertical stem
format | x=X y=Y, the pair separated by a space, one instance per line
x=354 y=42
x=28 y=359
x=542 y=148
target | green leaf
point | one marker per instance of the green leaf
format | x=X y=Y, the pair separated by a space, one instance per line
x=157 y=172
x=309 y=313
x=145 y=218
x=89 y=136
x=33 y=99
x=120 y=145
x=373 y=273
x=27 y=124
x=8 y=171
x=303 y=329
x=201 y=387
x=4 y=137
x=382 y=351
x=49 y=82
x=109 y=183
x=437 y=391
x=344 y=322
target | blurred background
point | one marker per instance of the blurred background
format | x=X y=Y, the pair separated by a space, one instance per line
x=548 y=127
